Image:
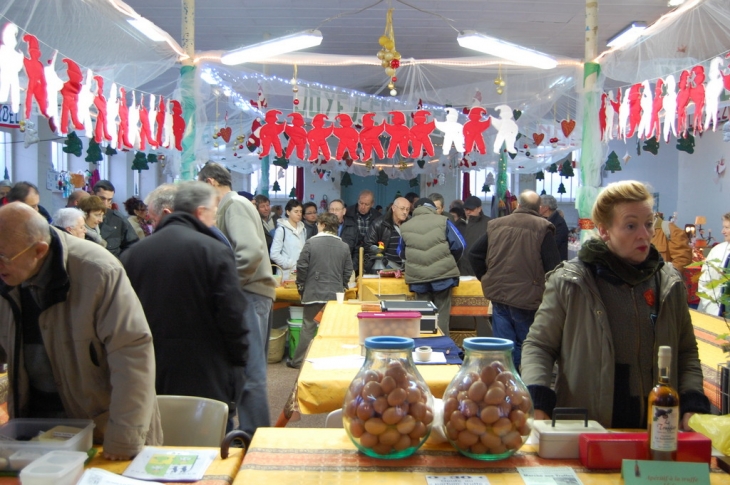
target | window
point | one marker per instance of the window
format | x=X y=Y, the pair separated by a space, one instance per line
x=286 y=182
x=59 y=158
x=552 y=182
x=477 y=180
x=103 y=165
x=6 y=155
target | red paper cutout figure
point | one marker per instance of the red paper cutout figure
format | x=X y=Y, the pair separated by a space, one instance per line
x=616 y=105
x=297 y=136
x=400 y=135
x=123 y=133
x=370 y=137
x=317 y=138
x=253 y=139
x=602 y=115
x=178 y=124
x=145 y=135
x=697 y=95
x=655 y=127
x=348 y=137
x=474 y=129
x=70 y=94
x=634 y=108
x=270 y=133
x=36 y=77
x=100 y=130
x=683 y=91
x=161 y=110
x=421 y=134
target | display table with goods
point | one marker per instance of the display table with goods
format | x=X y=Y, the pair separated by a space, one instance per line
x=708 y=329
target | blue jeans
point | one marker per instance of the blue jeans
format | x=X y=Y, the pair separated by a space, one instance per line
x=513 y=324
x=253 y=408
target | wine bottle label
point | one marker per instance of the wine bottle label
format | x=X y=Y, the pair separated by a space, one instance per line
x=664 y=428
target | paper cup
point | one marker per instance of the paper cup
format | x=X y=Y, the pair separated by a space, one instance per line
x=340 y=297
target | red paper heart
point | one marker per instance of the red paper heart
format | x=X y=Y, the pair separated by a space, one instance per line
x=428 y=183
x=225 y=133
x=465 y=110
x=349 y=162
x=538 y=138
x=567 y=127
x=435 y=181
x=321 y=173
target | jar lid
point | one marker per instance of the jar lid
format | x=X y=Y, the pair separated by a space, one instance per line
x=388 y=342
x=488 y=343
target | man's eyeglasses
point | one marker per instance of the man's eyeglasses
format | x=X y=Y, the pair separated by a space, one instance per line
x=310 y=213
x=6 y=261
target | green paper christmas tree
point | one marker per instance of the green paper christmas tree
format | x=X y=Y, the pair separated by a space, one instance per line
x=684 y=144
x=281 y=162
x=651 y=145
x=485 y=188
x=382 y=178
x=561 y=188
x=613 y=164
x=540 y=175
x=93 y=154
x=346 y=180
x=293 y=193
x=276 y=187
x=413 y=182
x=566 y=169
x=73 y=144
x=110 y=151
x=151 y=158
x=553 y=168
x=140 y=162
x=543 y=192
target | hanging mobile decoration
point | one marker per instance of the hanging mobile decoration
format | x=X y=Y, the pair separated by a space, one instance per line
x=215 y=127
x=499 y=81
x=388 y=55
x=295 y=87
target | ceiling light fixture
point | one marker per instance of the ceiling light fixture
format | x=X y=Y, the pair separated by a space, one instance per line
x=273 y=47
x=506 y=50
x=147 y=28
x=627 y=35
x=675 y=3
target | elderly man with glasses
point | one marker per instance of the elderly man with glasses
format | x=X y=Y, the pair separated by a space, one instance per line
x=384 y=237
x=362 y=214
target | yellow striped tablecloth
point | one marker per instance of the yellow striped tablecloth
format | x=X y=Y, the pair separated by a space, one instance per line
x=707 y=328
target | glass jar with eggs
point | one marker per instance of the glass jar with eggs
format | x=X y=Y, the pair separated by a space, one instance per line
x=388 y=408
x=487 y=409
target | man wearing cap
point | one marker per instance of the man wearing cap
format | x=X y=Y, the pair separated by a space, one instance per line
x=432 y=248
x=476 y=227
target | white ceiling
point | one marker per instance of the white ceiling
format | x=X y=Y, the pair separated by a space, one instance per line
x=555 y=27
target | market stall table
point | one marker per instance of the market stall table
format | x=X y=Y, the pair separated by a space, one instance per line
x=707 y=328
x=315 y=456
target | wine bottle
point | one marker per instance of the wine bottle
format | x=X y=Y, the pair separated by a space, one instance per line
x=663 y=412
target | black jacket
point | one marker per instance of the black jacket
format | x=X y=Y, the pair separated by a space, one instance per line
x=380 y=230
x=117 y=232
x=187 y=282
x=561 y=234
x=350 y=235
x=352 y=216
x=473 y=230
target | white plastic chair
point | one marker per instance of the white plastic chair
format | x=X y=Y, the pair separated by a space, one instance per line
x=192 y=421
x=334 y=419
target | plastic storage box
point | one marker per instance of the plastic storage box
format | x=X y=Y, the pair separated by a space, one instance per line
x=559 y=439
x=398 y=324
x=55 y=468
x=24 y=440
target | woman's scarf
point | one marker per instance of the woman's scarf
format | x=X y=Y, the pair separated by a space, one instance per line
x=596 y=252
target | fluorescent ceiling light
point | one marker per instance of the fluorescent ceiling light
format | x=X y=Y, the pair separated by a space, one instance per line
x=675 y=3
x=506 y=50
x=627 y=35
x=147 y=28
x=273 y=47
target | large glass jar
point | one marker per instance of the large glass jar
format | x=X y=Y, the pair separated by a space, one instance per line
x=487 y=408
x=388 y=408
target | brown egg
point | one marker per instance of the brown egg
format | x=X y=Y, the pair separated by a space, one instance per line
x=368 y=440
x=505 y=407
x=365 y=411
x=451 y=432
x=518 y=418
x=500 y=428
x=478 y=449
x=382 y=449
x=506 y=378
x=526 y=403
x=477 y=391
x=466 y=439
x=417 y=410
x=498 y=366
x=351 y=408
x=372 y=390
x=495 y=395
x=490 y=414
x=419 y=431
x=517 y=397
x=389 y=437
x=526 y=430
x=397 y=397
x=357 y=428
x=476 y=426
x=396 y=371
x=451 y=393
x=387 y=384
x=393 y=415
x=468 y=380
x=375 y=426
x=413 y=395
x=458 y=421
x=427 y=416
x=490 y=439
x=380 y=404
x=356 y=387
x=415 y=441
x=450 y=405
x=488 y=375
x=512 y=440
x=371 y=375
x=403 y=443
x=406 y=424
x=497 y=384
x=462 y=395
x=498 y=449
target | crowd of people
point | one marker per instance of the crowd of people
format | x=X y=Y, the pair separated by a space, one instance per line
x=192 y=269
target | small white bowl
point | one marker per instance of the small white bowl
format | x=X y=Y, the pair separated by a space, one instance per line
x=423 y=354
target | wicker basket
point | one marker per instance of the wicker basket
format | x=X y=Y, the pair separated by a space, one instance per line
x=458 y=336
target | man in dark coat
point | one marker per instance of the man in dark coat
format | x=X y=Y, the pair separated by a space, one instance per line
x=363 y=216
x=346 y=229
x=187 y=282
x=476 y=227
x=549 y=210
x=115 y=229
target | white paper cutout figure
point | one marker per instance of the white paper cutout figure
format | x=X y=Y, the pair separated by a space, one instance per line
x=453 y=131
x=53 y=85
x=506 y=129
x=168 y=138
x=610 y=112
x=623 y=115
x=647 y=101
x=152 y=115
x=30 y=136
x=713 y=89
x=670 y=107
x=11 y=62
x=133 y=123
x=86 y=101
x=112 y=113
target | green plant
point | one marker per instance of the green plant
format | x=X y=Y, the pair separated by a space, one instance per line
x=718 y=292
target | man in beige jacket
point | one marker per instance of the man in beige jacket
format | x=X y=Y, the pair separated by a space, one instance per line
x=77 y=341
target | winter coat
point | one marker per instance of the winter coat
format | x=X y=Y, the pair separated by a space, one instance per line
x=561 y=234
x=134 y=222
x=379 y=231
x=288 y=243
x=97 y=340
x=718 y=255
x=117 y=232
x=572 y=328
x=473 y=229
x=197 y=323
x=240 y=222
x=323 y=269
x=672 y=243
